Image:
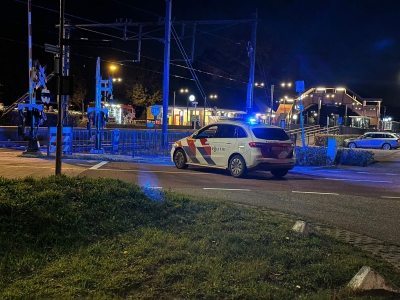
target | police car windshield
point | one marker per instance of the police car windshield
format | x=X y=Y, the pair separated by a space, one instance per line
x=276 y=134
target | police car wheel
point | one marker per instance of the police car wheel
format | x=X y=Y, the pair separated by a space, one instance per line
x=180 y=159
x=279 y=173
x=237 y=166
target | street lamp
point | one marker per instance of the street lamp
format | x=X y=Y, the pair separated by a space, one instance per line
x=182 y=91
x=212 y=96
x=112 y=68
x=192 y=99
x=286 y=84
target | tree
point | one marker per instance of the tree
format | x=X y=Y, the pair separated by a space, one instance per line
x=78 y=97
x=139 y=96
x=144 y=87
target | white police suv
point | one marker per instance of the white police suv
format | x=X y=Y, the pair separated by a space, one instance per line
x=237 y=146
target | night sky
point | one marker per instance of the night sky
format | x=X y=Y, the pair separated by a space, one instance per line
x=350 y=43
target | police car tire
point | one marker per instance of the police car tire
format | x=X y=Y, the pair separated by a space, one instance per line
x=279 y=173
x=237 y=166
x=180 y=159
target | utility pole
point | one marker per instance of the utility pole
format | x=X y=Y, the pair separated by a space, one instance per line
x=30 y=52
x=300 y=89
x=167 y=46
x=272 y=104
x=251 y=51
x=59 y=97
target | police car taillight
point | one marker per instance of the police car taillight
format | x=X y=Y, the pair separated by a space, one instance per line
x=260 y=145
x=256 y=145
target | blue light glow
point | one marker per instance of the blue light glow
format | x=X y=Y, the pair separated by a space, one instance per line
x=252 y=120
x=150 y=186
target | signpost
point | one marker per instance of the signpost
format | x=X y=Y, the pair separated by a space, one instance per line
x=300 y=89
x=55 y=49
x=155 y=111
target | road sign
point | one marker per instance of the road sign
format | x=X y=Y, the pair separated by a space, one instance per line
x=300 y=86
x=87 y=43
x=52 y=48
x=155 y=110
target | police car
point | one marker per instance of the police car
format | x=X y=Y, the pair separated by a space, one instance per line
x=237 y=146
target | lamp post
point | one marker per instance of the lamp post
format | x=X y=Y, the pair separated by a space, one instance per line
x=212 y=96
x=191 y=99
x=182 y=91
x=287 y=85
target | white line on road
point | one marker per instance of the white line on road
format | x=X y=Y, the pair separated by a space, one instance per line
x=221 y=189
x=167 y=172
x=390 y=174
x=390 y=197
x=359 y=180
x=318 y=193
x=98 y=165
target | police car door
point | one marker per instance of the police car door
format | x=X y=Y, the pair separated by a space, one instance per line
x=200 y=147
x=223 y=144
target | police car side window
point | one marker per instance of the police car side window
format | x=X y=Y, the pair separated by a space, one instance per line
x=208 y=132
x=241 y=133
x=225 y=131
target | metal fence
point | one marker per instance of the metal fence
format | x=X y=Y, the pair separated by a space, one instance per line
x=124 y=142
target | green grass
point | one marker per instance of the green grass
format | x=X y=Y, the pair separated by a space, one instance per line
x=79 y=238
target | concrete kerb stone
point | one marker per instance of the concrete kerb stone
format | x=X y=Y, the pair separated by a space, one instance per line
x=305 y=228
x=369 y=279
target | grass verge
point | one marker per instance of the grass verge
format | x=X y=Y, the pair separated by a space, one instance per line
x=79 y=238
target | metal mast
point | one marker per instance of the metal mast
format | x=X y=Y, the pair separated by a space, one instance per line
x=167 y=46
x=251 y=50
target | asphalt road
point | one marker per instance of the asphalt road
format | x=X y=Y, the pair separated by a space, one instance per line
x=363 y=200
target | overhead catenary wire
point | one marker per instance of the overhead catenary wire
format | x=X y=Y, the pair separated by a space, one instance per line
x=201 y=32
x=186 y=58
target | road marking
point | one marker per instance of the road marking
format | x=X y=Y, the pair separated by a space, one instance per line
x=390 y=197
x=221 y=189
x=359 y=180
x=95 y=167
x=318 y=193
x=149 y=171
x=389 y=174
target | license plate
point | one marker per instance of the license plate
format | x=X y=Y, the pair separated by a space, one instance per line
x=275 y=148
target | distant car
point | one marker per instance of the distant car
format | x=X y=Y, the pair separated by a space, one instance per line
x=377 y=140
x=237 y=146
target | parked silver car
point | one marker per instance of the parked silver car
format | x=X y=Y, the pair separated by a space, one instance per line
x=377 y=140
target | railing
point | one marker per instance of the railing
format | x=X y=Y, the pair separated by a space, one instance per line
x=133 y=143
x=310 y=133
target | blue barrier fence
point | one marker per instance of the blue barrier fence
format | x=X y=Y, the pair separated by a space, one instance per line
x=124 y=142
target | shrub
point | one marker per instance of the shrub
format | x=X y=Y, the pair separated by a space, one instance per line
x=352 y=157
x=316 y=156
x=312 y=156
